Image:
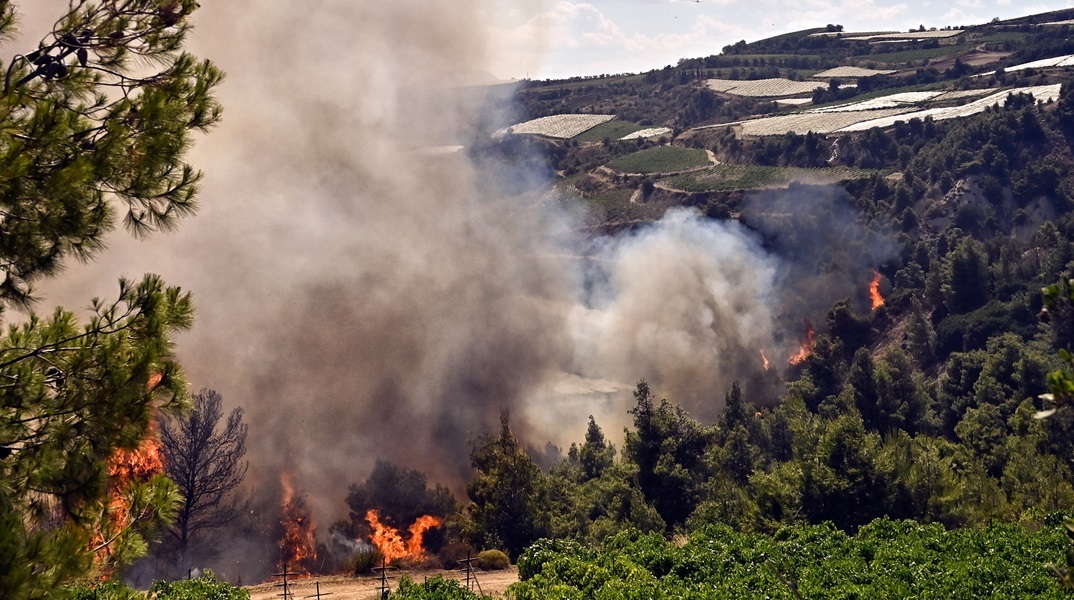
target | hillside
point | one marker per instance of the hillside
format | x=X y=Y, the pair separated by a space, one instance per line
x=936 y=162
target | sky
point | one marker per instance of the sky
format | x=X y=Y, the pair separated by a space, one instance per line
x=558 y=39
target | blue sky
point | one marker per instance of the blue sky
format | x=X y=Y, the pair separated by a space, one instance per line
x=561 y=38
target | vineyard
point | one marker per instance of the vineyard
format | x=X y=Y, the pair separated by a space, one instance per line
x=1056 y=61
x=850 y=72
x=762 y=88
x=556 y=126
x=889 y=101
x=648 y=133
x=907 y=56
x=1042 y=93
x=816 y=122
x=745 y=177
x=885 y=559
x=661 y=159
x=613 y=130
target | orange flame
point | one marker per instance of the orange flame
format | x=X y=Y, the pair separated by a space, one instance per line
x=767 y=365
x=125 y=467
x=297 y=546
x=806 y=347
x=874 y=291
x=387 y=539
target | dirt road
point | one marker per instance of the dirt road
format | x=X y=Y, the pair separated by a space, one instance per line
x=368 y=587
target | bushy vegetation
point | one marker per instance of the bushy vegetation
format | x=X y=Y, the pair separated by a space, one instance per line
x=436 y=588
x=493 y=560
x=207 y=587
x=885 y=559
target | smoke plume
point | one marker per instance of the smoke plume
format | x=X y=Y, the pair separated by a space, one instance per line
x=366 y=290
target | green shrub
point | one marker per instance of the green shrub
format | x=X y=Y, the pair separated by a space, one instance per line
x=545 y=550
x=436 y=588
x=493 y=560
x=103 y=590
x=207 y=587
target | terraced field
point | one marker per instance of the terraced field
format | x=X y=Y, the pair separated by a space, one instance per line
x=612 y=130
x=556 y=126
x=1042 y=93
x=883 y=111
x=648 y=133
x=661 y=159
x=1044 y=63
x=803 y=122
x=850 y=72
x=762 y=88
x=745 y=177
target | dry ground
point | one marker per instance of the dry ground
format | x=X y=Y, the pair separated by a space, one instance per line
x=342 y=587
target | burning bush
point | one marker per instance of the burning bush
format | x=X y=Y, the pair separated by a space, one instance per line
x=364 y=559
x=400 y=497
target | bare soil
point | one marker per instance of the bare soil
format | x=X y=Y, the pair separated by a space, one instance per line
x=345 y=587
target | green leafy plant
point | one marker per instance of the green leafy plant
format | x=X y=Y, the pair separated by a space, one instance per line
x=207 y=587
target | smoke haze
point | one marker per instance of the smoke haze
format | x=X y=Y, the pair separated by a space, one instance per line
x=366 y=293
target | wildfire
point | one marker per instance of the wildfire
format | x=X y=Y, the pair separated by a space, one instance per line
x=125 y=468
x=805 y=349
x=297 y=546
x=874 y=291
x=767 y=365
x=391 y=544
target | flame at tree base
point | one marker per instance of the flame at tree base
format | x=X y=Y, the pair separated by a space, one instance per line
x=298 y=543
x=805 y=349
x=391 y=544
x=125 y=468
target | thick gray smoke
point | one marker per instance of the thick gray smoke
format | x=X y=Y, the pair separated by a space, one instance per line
x=365 y=292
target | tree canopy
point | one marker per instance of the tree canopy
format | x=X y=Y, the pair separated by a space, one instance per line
x=94 y=124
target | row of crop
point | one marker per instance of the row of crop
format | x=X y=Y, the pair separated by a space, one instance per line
x=661 y=159
x=816 y=122
x=762 y=88
x=557 y=126
x=885 y=559
x=745 y=177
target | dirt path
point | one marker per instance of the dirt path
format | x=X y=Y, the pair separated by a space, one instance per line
x=344 y=587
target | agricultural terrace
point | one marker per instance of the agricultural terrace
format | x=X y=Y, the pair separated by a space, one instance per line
x=816 y=122
x=648 y=133
x=850 y=72
x=889 y=101
x=725 y=177
x=883 y=111
x=762 y=88
x=1044 y=63
x=556 y=126
x=1042 y=93
x=906 y=36
x=919 y=54
x=661 y=159
x=613 y=130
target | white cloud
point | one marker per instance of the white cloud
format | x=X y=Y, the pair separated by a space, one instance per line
x=580 y=38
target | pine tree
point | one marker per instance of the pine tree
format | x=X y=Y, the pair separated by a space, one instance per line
x=94 y=124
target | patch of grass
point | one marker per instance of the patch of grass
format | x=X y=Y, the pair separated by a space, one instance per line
x=661 y=159
x=612 y=130
x=745 y=177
